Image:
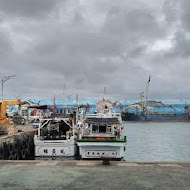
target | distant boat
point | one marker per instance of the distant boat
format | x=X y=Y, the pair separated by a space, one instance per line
x=149 y=110
x=155 y=111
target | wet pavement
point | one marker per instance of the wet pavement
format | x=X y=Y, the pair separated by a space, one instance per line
x=33 y=175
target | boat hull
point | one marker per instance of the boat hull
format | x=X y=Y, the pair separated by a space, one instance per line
x=155 y=117
x=99 y=150
x=55 y=148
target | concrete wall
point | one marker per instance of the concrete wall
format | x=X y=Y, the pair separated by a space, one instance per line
x=19 y=146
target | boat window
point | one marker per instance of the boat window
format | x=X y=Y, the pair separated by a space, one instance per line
x=94 y=129
x=109 y=129
x=87 y=130
x=102 y=128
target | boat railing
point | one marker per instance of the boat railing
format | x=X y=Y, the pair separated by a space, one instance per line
x=99 y=135
x=105 y=115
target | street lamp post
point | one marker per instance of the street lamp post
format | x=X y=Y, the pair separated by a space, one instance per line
x=3 y=80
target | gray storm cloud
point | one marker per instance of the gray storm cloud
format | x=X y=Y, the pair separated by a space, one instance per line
x=86 y=45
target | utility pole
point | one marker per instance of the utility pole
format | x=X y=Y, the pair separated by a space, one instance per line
x=3 y=80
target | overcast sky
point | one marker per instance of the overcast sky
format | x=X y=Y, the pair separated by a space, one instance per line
x=86 y=45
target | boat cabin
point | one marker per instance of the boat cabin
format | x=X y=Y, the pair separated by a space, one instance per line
x=55 y=129
x=99 y=126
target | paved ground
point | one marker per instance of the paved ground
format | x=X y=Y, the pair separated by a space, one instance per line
x=93 y=175
x=26 y=127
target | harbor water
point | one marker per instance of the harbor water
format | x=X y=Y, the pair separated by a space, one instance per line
x=157 y=141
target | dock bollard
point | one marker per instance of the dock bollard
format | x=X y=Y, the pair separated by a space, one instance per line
x=106 y=161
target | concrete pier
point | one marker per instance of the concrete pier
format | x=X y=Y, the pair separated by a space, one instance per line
x=33 y=175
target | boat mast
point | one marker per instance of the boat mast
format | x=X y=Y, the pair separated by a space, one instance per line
x=145 y=97
x=142 y=100
x=103 y=106
x=104 y=91
x=76 y=122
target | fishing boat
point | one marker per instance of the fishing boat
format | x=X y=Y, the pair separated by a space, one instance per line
x=56 y=137
x=156 y=111
x=100 y=134
x=150 y=110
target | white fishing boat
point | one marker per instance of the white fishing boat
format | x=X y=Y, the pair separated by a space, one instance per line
x=100 y=134
x=55 y=138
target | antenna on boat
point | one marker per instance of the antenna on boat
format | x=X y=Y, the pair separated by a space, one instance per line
x=54 y=103
x=147 y=88
x=102 y=106
x=77 y=116
x=64 y=92
x=104 y=91
x=64 y=89
x=77 y=98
